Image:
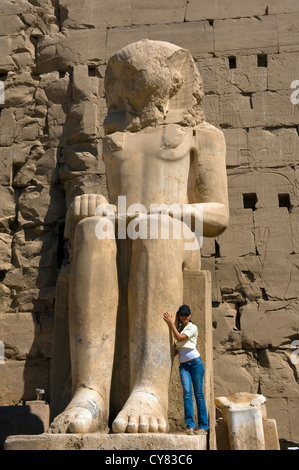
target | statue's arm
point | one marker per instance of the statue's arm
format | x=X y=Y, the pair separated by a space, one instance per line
x=86 y=205
x=208 y=179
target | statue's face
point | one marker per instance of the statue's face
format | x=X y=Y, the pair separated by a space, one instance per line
x=150 y=82
x=139 y=95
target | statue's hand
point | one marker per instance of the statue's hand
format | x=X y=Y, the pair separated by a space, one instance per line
x=89 y=205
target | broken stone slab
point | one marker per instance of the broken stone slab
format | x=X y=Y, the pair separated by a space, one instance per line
x=244 y=414
x=150 y=441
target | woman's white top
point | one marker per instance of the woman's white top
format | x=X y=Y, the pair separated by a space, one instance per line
x=187 y=348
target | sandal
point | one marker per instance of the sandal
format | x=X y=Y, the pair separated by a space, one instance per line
x=190 y=432
x=201 y=432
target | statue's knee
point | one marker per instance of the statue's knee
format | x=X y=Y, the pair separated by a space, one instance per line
x=148 y=229
x=96 y=229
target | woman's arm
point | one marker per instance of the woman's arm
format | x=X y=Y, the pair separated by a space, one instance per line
x=170 y=321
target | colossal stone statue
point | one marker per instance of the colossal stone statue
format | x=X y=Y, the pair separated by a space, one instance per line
x=168 y=165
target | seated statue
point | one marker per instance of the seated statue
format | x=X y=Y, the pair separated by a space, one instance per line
x=165 y=166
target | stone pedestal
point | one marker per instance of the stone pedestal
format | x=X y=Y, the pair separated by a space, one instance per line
x=115 y=442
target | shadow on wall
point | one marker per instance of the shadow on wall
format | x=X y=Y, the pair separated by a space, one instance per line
x=18 y=420
x=44 y=243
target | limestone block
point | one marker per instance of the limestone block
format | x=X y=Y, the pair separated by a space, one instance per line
x=238 y=239
x=34 y=300
x=236 y=111
x=253 y=35
x=265 y=184
x=85 y=184
x=63 y=50
x=5 y=249
x=246 y=77
x=239 y=278
x=56 y=89
x=11 y=24
x=197 y=36
x=41 y=205
x=20 y=379
x=24 y=174
x=271 y=434
x=31 y=418
x=7 y=127
x=287 y=31
x=225 y=334
x=5 y=297
x=211 y=106
x=19 y=95
x=7 y=208
x=284 y=411
x=47 y=167
x=237 y=152
x=35 y=249
x=274 y=109
x=293 y=403
x=17 y=331
x=29 y=133
x=8 y=45
x=5 y=166
x=216 y=75
x=81 y=160
x=121 y=442
x=12 y=382
x=81 y=83
x=95 y=13
x=280 y=277
x=120 y=37
x=82 y=122
x=275 y=148
x=268 y=324
x=294 y=220
x=277 y=375
x=217 y=9
x=283 y=69
x=234 y=371
x=287 y=6
x=158 y=12
x=88 y=127
x=273 y=232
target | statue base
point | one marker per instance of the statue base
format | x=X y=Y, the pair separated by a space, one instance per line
x=106 y=442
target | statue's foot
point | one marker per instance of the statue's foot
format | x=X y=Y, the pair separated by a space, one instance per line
x=141 y=413
x=83 y=414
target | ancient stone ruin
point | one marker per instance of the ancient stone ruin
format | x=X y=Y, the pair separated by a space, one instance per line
x=53 y=60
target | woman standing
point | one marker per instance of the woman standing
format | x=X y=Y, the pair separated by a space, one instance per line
x=191 y=369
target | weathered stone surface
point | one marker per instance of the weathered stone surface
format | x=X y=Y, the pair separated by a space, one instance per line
x=106 y=442
x=52 y=63
x=253 y=35
x=217 y=9
x=31 y=418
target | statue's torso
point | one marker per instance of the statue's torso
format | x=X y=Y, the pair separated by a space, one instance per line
x=150 y=166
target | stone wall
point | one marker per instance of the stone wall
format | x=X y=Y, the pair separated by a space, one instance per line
x=53 y=55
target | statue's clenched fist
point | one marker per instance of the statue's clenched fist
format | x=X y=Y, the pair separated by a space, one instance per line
x=89 y=205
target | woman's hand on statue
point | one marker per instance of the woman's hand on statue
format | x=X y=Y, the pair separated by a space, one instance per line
x=168 y=318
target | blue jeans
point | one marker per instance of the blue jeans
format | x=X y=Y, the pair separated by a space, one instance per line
x=192 y=372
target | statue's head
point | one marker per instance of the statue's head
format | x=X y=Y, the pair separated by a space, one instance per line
x=152 y=82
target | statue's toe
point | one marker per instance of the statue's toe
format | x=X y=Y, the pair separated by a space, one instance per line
x=119 y=425
x=82 y=422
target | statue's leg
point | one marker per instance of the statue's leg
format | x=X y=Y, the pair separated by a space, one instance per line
x=155 y=286
x=93 y=300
